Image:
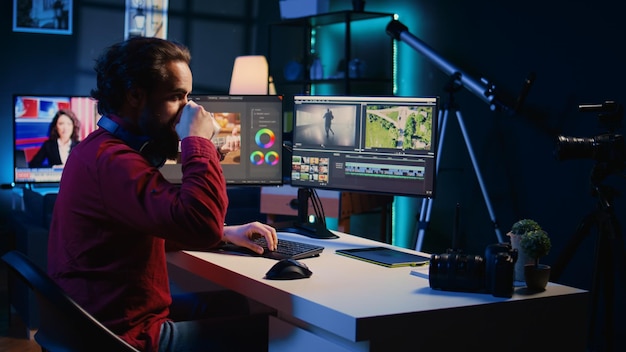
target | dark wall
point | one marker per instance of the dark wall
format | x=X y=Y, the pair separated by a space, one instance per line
x=575 y=48
x=215 y=31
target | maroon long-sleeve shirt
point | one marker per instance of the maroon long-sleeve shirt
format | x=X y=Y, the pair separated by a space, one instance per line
x=111 y=218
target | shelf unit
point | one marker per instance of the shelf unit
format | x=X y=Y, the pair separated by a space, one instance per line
x=335 y=38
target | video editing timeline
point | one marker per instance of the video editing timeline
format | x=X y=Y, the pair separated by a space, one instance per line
x=370 y=144
x=382 y=170
x=256 y=121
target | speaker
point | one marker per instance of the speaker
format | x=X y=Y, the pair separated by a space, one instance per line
x=142 y=144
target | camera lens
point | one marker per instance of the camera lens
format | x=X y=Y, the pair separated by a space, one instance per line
x=457 y=272
x=605 y=147
x=574 y=148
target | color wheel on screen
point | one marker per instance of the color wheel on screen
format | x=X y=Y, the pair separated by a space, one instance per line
x=271 y=158
x=265 y=138
x=257 y=157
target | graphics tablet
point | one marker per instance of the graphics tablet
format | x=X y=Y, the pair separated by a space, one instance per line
x=384 y=256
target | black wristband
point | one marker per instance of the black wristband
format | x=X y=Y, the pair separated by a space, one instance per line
x=221 y=155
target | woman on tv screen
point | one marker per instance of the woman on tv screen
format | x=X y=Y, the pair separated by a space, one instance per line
x=62 y=137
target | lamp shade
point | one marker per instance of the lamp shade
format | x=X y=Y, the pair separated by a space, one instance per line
x=250 y=75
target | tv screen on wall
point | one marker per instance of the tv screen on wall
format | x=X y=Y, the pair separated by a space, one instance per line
x=33 y=116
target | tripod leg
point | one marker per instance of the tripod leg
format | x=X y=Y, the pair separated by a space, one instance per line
x=619 y=253
x=427 y=203
x=609 y=296
x=598 y=274
x=608 y=257
x=581 y=232
x=483 y=188
x=610 y=248
x=614 y=269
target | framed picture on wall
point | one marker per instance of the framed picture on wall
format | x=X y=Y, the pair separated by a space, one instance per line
x=43 y=16
x=146 y=18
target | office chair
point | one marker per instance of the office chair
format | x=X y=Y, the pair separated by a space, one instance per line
x=64 y=325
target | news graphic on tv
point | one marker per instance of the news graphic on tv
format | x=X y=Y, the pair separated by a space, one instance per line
x=40 y=123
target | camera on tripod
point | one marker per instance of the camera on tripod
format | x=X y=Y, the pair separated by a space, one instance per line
x=608 y=147
x=493 y=273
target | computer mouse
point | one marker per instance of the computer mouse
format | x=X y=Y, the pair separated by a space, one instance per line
x=288 y=269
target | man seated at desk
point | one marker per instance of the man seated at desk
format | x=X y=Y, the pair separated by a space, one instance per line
x=115 y=211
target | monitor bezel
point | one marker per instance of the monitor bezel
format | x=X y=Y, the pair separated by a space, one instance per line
x=173 y=173
x=434 y=101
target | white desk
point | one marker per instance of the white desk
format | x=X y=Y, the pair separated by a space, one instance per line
x=352 y=305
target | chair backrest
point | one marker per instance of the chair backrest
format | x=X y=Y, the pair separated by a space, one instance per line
x=64 y=325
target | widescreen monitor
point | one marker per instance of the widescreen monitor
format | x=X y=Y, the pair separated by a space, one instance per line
x=257 y=122
x=254 y=120
x=383 y=145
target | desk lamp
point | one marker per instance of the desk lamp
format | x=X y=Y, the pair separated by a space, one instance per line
x=250 y=75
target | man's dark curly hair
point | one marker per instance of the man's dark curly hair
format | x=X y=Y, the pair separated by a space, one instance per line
x=137 y=63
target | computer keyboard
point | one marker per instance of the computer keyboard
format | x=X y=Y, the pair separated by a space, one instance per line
x=286 y=249
x=289 y=249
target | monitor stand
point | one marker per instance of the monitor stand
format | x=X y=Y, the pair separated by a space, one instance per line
x=302 y=226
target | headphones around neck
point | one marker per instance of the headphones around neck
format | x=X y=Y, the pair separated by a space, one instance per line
x=142 y=144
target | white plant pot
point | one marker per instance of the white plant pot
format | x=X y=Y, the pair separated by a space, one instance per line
x=522 y=258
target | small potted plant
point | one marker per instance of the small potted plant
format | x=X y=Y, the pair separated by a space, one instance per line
x=523 y=226
x=518 y=229
x=536 y=244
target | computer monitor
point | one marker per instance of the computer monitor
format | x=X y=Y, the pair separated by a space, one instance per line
x=257 y=122
x=32 y=116
x=384 y=145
